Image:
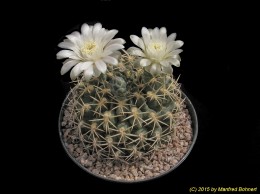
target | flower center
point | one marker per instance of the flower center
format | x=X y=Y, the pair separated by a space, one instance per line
x=156 y=50
x=157 y=46
x=89 y=48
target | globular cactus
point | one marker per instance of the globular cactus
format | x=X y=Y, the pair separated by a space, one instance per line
x=126 y=113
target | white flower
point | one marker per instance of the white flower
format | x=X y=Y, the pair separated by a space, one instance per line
x=90 y=51
x=157 y=51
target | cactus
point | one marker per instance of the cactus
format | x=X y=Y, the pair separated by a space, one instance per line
x=125 y=113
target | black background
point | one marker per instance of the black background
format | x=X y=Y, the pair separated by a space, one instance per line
x=217 y=72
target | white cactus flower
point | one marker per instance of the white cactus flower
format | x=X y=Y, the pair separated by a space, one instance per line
x=89 y=51
x=157 y=51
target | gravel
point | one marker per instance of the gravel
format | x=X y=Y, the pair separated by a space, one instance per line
x=148 y=167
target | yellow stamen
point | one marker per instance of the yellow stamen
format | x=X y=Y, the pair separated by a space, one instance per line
x=89 y=48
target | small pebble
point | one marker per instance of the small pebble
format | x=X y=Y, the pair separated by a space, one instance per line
x=155 y=162
x=142 y=177
x=148 y=167
x=78 y=150
x=160 y=167
x=181 y=136
x=117 y=173
x=174 y=161
x=131 y=176
x=166 y=167
x=188 y=136
x=148 y=173
x=82 y=161
x=98 y=164
x=140 y=173
x=107 y=172
x=75 y=154
x=113 y=176
x=156 y=169
x=154 y=158
x=88 y=163
x=116 y=168
x=95 y=171
x=91 y=158
x=134 y=172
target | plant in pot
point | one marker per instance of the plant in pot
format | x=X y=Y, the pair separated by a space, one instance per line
x=125 y=118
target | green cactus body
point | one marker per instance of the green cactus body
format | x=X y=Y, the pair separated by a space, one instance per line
x=126 y=113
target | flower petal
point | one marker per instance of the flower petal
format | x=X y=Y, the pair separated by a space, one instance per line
x=169 y=46
x=99 y=36
x=114 y=47
x=135 y=51
x=171 y=37
x=177 y=57
x=67 y=65
x=96 y=71
x=145 y=62
x=65 y=54
x=116 y=54
x=96 y=28
x=109 y=35
x=137 y=41
x=146 y=35
x=75 y=71
x=116 y=41
x=141 y=43
x=173 y=53
x=176 y=52
x=155 y=33
x=134 y=39
x=106 y=53
x=85 y=29
x=86 y=65
x=155 y=69
x=175 y=62
x=165 y=63
x=66 y=45
x=88 y=73
x=110 y=60
x=167 y=70
x=178 y=44
x=163 y=35
x=101 y=66
x=74 y=37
